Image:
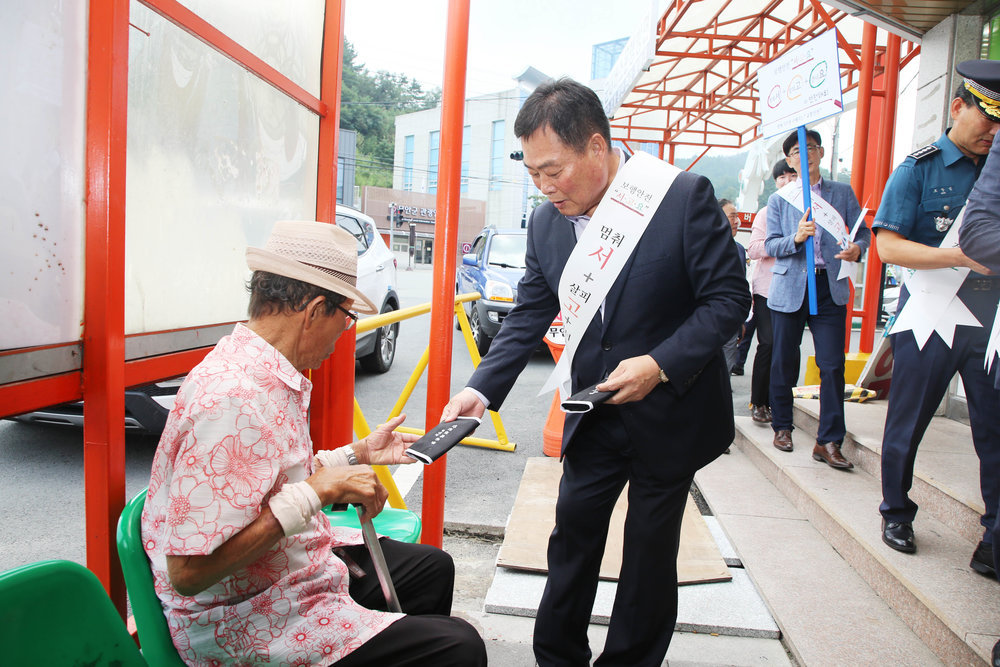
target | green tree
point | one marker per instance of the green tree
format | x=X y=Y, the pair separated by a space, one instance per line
x=722 y=170
x=369 y=103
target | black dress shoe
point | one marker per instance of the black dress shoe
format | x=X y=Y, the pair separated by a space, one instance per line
x=737 y=370
x=899 y=536
x=982 y=560
x=760 y=414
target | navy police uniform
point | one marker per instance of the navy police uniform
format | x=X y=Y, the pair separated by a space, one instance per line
x=922 y=199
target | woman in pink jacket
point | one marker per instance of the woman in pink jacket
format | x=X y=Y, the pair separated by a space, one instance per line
x=760 y=400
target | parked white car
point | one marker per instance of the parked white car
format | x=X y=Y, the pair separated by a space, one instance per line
x=146 y=407
x=376 y=280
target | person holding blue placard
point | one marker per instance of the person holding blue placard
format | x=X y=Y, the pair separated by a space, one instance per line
x=789 y=231
x=922 y=201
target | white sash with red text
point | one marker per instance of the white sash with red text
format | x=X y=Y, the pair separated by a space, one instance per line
x=603 y=249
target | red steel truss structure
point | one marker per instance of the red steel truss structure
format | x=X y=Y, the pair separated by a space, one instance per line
x=701 y=90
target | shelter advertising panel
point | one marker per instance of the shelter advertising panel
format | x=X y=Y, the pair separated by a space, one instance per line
x=42 y=183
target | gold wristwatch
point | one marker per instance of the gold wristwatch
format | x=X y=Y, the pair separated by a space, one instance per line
x=663 y=376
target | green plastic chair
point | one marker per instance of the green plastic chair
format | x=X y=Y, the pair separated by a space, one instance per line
x=399 y=524
x=154 y=634
x=57 y=613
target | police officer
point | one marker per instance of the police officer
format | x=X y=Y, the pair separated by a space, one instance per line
x=922 y=199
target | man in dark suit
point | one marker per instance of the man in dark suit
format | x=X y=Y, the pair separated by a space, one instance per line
x=788 y=232
x=731 y=349
x=979 y=238
x=657 y=339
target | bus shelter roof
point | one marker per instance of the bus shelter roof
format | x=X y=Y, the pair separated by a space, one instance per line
x=909 y=19
x=692 y=79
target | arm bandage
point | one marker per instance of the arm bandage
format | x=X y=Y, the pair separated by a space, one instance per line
x=331 y=458
x=294 y=506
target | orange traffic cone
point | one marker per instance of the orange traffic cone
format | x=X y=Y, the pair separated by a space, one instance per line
x=553 y=429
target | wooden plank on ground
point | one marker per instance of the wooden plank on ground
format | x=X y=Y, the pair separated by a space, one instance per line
x=533 y=517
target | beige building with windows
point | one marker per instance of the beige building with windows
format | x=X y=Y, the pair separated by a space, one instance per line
x=488 y=172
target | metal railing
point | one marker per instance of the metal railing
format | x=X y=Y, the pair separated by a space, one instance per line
x=361 y=428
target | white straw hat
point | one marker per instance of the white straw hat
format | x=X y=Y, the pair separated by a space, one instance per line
x=318 y=253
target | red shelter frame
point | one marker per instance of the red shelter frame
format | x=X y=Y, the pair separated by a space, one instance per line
x=105 y=372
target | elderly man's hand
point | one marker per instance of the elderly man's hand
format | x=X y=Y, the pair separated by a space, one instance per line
x=358 y=485
x=384 y=446
x=633 y=379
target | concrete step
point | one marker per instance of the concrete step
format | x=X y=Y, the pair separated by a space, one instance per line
x=508 y=644
x=945 y=473
x=827 y=614
x=951 y=608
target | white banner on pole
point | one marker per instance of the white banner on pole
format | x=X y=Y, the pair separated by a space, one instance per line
x=801 y=86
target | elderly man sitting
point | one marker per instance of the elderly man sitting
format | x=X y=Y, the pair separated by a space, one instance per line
x=246 y=566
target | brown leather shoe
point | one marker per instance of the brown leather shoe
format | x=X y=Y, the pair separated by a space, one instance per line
x=760 y=414
x=783 y=440
x=829 y=452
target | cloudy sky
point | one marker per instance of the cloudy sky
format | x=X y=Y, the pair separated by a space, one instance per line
x=554 y=36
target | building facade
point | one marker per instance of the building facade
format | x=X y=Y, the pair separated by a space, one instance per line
x=409 y=219
x=489 y=174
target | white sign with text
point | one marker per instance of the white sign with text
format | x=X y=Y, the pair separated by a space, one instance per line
x=801 y=86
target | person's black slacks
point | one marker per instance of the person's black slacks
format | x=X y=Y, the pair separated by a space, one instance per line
x=424 y=579
x=760 y=382
x=828 y=327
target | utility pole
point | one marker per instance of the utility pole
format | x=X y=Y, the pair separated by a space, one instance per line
x=834 y=150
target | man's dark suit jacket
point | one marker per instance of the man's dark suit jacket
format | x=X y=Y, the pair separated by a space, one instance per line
x=681 y=295
x=979 y=236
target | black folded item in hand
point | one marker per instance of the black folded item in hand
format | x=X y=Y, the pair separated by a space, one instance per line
x=585 y=399
x=435 y=443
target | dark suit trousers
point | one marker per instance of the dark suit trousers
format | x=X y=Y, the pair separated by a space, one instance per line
x=827 y=328
x=599 y=461
x=760 y=383
x=920 y=379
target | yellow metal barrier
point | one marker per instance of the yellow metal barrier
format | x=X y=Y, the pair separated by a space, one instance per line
x=361 y=428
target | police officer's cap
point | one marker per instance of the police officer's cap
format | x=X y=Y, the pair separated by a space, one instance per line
x=982 y=79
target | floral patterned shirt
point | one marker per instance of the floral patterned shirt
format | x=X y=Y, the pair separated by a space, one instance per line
x=239 y=431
